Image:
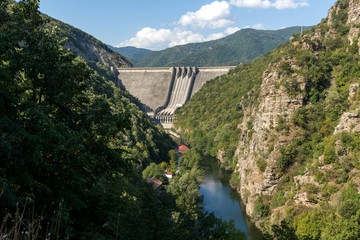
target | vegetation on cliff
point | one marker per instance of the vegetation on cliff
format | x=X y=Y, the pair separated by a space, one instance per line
x=304 y=156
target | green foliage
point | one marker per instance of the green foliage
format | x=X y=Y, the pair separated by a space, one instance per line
x=260 y=210
x=173 y=158
x=234 y=180
x=289 y=154
x=153 y=170
x=278 y=199
x=340 y=17
x=329 y=151
x=211 y=227
x=285 y=231
x=281 y=124
x=189 y=160
x=350 y=202
x=285 y=68
x=261 y=164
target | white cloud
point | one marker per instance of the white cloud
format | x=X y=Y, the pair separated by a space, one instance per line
x=278 y=4
x=251 y=3
x=231 y=30
x=258 y=26
x=157 y=39
x=182 y=37
x=214 y=15
x=149 y=38
x=215 y=36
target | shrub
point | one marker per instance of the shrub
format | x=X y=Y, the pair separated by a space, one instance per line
x=261 y=164
x=329 y=151
x=260 y=210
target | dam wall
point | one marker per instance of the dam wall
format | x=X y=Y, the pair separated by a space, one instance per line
x=150 y=86
x=163 y=90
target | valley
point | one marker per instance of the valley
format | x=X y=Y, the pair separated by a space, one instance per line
x=272 y=120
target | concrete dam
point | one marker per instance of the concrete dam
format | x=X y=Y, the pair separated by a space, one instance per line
x=163 y=90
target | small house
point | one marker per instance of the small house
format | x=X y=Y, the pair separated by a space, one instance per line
x=156 y=184
x=182 y=149
x=169 y=175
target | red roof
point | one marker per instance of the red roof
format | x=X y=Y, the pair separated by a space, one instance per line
x=182 y=148
x=169 y=173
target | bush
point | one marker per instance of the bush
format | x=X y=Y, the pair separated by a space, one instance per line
x=278 y=200
x=329 y=151
x=261 y=164
x=260 y=210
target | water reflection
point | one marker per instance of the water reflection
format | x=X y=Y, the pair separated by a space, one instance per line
x=222 y=200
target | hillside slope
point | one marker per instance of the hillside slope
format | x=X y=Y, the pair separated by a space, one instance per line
x=132 y=53
x=86 y=46
x=288 y=125
x=240 y=47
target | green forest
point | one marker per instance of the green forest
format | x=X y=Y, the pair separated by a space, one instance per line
x=73 y=147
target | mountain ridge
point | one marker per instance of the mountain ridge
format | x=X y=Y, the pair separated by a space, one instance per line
x=240 y=47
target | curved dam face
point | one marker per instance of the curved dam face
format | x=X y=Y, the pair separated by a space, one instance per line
x=163 y=90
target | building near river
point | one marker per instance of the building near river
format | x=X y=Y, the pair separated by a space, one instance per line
x=182 y=149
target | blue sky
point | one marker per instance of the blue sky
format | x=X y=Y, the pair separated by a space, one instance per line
x=159 y=24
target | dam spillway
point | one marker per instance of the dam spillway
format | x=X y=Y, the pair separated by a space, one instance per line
x=163 y=90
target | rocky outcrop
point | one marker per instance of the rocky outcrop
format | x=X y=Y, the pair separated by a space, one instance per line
x=95 y=53
x=349 y=122
x=353 y=13
x=257 y=144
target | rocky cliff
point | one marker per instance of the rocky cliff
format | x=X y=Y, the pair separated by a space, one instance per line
x=289 y=126
x=283 y=91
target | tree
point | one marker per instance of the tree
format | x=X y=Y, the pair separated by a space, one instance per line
x=153 y=170
x=173 y=157
x=286 y=232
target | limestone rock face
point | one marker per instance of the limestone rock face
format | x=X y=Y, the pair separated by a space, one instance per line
x=255 y=143
x=92 y=53
x=353 y=90
x=354 y=13
x=353 y=20
x=349 y=122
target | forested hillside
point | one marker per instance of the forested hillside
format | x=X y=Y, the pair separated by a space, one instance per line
x=288 y=126
x=132 y=53
x=73 y=145
x=240 y=47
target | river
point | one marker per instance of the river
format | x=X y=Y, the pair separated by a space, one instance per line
x=221 y=199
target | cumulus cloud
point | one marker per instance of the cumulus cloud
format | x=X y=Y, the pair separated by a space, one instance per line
x=231 y=30
x=156 y=39
x=278 y=4
x=258 y=26
x=149 y=38
x=214 y=15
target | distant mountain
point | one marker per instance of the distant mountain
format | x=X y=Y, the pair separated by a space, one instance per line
x=132 y=53
x=240 y=47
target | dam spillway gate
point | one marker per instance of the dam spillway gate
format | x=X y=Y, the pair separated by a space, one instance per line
x=163 y=90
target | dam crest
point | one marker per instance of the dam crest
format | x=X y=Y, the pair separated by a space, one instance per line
x=163 y=90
